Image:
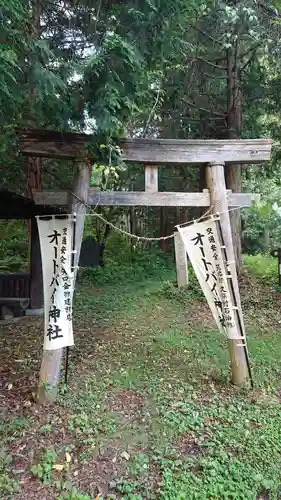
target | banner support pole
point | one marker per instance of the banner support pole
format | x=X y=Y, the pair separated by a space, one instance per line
x=218 y=197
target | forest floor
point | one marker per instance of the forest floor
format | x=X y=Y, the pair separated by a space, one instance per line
x=149 y=411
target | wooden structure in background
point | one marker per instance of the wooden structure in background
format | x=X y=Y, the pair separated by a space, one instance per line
x=152 y=152
x=24 y=288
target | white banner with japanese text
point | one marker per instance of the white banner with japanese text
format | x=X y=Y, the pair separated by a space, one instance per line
x=56 y=241
x=203 y=246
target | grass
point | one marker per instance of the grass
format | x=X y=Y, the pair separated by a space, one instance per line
x=263 y=267
x=149 y=412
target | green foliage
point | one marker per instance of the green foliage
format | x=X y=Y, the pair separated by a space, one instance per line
x=220 y=469
x=139 y=464
x=121 y=265
x=74 y=494
x=128 y=489
x=11 y=264
x=171 y=291
x=109 y=172
x=13 y=246
x=88 y=422
x=90 y=427
x=264 y=267
x=44 y=469
x=16 y=426
x=14 y=38
x=8 y=485
x=262 y=230
x=108 y=166
x=111 y=78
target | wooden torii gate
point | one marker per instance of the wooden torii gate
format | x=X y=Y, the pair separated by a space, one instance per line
x=152 y=153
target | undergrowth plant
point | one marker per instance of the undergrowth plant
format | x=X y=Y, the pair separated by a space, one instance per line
x=8 y=485
x=13 y=246
x=44 y=469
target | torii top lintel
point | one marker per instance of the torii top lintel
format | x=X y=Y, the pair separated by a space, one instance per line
x=68 y=145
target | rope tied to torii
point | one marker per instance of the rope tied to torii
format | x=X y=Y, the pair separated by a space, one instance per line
x=209 y=213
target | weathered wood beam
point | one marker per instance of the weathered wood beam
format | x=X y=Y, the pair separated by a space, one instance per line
x=142 y=198
x=52 y=144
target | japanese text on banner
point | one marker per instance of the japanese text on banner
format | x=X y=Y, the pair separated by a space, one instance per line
x=203 y=247
x=56 y=236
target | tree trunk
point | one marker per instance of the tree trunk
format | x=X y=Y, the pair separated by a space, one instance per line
x=33 y=164
x=36 y=277
x=177 y=216
x=234 y=125
x=33 y=182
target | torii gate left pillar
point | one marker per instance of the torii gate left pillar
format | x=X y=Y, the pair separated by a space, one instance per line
x=52 y=360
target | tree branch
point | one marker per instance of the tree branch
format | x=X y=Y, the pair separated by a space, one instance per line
x=97 y=17
x=216 y=77
x=206 y=34
x=198 y=120
x=269 y=9
x=205 y=110
x=246 y=64
x=151 y=112
x=254 y=47
x=250 y=58
x=213 y=65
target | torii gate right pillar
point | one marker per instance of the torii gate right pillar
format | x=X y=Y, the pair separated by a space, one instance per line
x=218 y=197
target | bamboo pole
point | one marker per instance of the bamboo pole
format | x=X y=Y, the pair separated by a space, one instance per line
x=51 y=362
x=218 y=195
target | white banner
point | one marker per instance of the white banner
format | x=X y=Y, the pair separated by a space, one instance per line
x=56 y=239
x=203 y=247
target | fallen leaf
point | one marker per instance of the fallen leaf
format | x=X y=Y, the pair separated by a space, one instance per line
x=67 y=457
x=18 y=471
x=58 y=467
x=21 y=448
x=125 y=455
